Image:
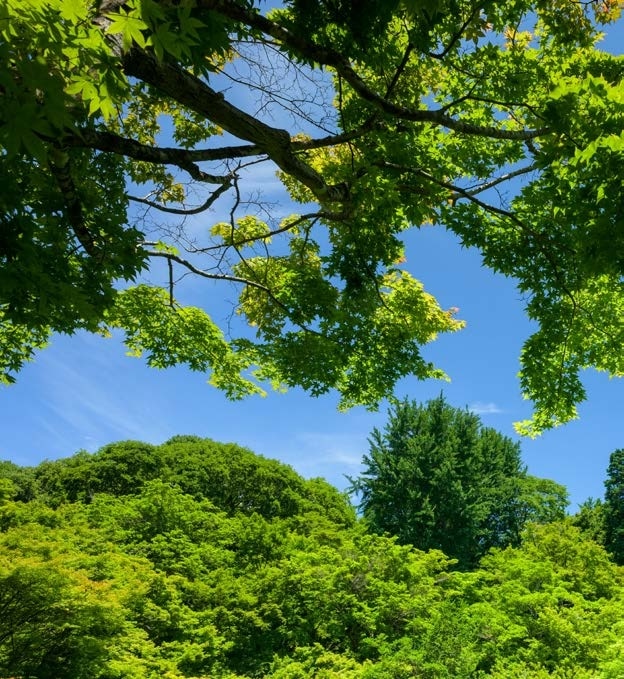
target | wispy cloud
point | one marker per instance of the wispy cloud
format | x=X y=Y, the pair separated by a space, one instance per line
x=85 y=401
x=480 y=408
x=334 y=448
x=332 y=456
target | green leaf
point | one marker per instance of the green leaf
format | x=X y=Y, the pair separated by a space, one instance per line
x=130 y=26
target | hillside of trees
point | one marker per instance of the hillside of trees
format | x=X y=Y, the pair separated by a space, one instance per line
x=200 y=559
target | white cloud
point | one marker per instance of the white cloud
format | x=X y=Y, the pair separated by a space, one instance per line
x=334 y=448
x=332 y=456
x=480 y=408
x=84 y=401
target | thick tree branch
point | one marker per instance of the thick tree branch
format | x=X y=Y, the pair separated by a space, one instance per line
x=192 y=92
x=182 y=158
x=60 y=167
x=102 y=140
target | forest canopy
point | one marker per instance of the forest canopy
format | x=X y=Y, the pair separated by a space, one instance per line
x=195 y=559
x=132 y=134
x=436 y=478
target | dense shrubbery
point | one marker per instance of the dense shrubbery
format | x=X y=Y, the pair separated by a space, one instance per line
x=198 y=559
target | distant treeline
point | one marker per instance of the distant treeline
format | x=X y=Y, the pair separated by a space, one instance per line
x=200 y=559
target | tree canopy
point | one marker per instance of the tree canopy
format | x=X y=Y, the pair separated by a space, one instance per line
x=134 y=562
x=613 y=508
x=436 y=478
x=132 y=133
x=233 y=478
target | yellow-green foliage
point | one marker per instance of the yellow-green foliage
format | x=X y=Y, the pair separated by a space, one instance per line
x=194 y=559
x=502 y=123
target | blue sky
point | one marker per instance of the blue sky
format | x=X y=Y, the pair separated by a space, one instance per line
x=83 y=392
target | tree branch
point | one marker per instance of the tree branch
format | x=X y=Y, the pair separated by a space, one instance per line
x=456 y=37
x=503 y=178
x=200 y=272
x=176 y=211
x=182 y=158
x=336 y=139
x=192 y=92
x=399 y=70
x=329 y=57
x=170 y=257
x=538 y=237
x=313 y=216
x=60 y=168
